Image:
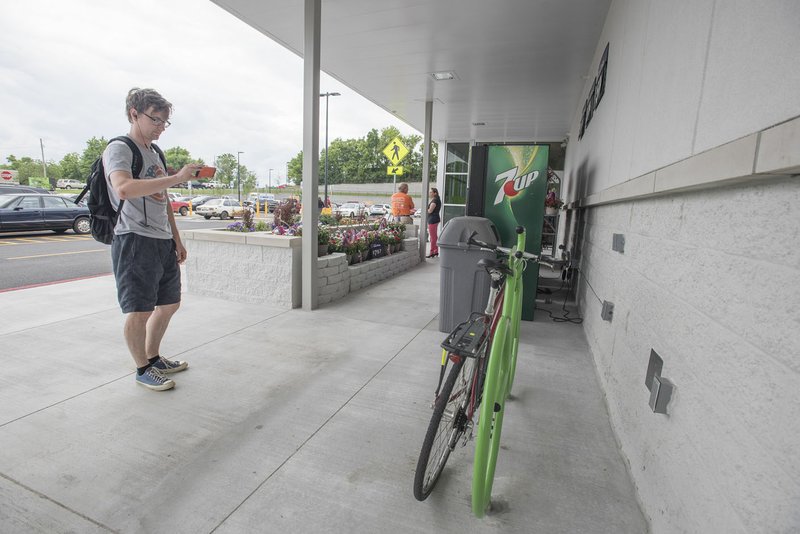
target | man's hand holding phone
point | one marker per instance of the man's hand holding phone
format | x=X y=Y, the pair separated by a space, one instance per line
x=187 y=172
x=205 y=172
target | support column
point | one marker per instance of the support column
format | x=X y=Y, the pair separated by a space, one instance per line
x=426 y=164
x=311 y=55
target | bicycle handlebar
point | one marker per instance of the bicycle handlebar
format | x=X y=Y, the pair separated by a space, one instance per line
x=504 y=250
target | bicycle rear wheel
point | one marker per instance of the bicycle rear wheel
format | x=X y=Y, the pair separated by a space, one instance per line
x=448 y=423
x=490 y=423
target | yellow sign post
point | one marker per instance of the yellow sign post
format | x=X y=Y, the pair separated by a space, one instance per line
x=394 y=171
x=395 y=151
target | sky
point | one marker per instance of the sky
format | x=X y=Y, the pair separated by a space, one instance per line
x=66 y=68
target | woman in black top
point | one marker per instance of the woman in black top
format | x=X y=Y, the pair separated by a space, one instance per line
x=434 y=206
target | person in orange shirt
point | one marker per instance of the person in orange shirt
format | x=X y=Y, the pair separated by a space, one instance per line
x=402 y=204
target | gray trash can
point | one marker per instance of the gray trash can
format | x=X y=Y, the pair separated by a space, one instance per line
x=463 y=287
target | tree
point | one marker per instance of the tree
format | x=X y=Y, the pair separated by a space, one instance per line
x=249 y=179
x=94 y=149
x=362 y=160
x=177 y=157
x=226 y=172
x=71 y=167
x=295 y=169
x=226 y=169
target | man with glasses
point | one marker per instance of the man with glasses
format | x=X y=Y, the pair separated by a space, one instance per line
x=146 y=249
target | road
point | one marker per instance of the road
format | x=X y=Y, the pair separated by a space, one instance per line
x=34 y=258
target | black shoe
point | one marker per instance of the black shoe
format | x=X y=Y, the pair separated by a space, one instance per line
x=430 y=255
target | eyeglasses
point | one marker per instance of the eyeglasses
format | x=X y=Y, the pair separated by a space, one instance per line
x=157 y=121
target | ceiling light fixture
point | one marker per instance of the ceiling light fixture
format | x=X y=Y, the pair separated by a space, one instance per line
x=443 y=75
x=479 y=124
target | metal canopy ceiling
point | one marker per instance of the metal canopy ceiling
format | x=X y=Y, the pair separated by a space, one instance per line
x=519 y=65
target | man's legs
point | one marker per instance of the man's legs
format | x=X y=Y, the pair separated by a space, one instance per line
x=136 y=335
x=136 y=338
x=157 y=326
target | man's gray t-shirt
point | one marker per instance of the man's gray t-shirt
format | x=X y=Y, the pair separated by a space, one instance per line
x=118 y=157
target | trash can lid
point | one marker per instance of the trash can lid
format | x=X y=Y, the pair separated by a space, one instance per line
x=458 y=229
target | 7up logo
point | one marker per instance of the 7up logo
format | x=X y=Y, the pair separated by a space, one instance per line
x=513 y=184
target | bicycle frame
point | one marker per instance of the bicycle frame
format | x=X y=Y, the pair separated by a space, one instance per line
x=499 y=379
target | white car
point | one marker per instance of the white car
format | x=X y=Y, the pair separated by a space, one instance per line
x=351 y=209
x=65 y=183
x=223 y=208
x=380 y=210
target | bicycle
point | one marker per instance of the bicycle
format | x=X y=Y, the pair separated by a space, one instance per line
x=483 y=351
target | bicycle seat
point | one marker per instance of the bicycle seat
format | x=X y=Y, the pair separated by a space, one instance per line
x=494 y=265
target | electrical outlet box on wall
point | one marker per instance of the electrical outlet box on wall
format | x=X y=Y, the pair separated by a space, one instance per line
x=618 y=243
x=607 y=313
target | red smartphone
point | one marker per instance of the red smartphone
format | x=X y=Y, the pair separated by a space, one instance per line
x=205 y=172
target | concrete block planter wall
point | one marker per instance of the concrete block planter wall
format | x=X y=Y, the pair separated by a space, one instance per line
x=247 y=267
x=262 y=267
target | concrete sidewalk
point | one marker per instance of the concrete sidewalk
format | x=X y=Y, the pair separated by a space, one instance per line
x=286 y=421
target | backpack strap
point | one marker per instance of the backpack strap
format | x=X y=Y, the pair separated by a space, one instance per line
x=138 y=160
x=160 y=155
x=136 y=166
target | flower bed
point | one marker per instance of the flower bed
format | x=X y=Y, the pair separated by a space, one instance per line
x=375 y=241
x=358 y=242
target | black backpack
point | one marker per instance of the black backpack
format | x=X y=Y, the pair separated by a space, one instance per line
x=102 y=214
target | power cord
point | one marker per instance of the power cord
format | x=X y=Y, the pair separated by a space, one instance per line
x=564 y=318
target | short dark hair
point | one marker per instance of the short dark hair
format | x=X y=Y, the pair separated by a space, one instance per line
x=143 y=99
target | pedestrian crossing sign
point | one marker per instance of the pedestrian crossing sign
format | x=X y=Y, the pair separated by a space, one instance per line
x=394 y=170
x=395 y=151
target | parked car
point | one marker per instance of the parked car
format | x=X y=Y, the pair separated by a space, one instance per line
x=199 y=185
x=31 y=211
x=66 y=183
x=179 y=206
x=265 y=200
x=199 y=200
x=222 y=208
x=71 y=197
x=380 y=210
x=351 y=209
x=9 y=189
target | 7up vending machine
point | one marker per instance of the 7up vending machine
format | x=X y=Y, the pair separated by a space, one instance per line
x=507 y=185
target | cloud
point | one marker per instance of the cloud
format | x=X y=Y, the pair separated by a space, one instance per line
x=66 y=67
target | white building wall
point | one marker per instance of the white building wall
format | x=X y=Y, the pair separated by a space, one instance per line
x=710 y=277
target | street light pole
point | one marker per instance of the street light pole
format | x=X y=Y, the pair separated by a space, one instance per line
x=270 y=180
x=238 y=176
x=326 y=95
x=44 y=165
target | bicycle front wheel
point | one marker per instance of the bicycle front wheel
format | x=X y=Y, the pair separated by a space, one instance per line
x=448 y=423
x=490 y=423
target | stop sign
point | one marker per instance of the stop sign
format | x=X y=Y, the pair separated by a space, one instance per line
x=6 y=175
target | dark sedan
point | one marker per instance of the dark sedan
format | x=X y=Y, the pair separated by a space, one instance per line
x=27 y=212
